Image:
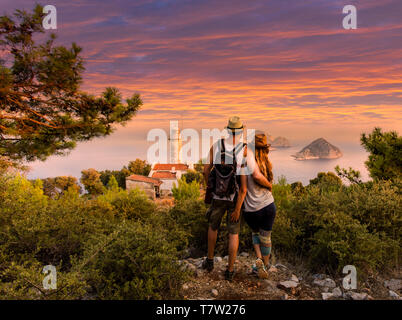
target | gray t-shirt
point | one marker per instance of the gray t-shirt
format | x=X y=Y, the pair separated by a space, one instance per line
x=257 y=197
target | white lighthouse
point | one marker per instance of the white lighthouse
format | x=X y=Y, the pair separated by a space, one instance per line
x=175 y=142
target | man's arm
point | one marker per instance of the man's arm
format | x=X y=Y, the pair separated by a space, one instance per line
x=208 y=166
x=240 y=198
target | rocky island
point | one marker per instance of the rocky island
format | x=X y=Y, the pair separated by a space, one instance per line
x=319 y=149
x=280 y=142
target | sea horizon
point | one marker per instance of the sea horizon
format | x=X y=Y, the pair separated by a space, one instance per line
x=114 y=158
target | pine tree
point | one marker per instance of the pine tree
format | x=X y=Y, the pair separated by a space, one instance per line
x=42 y=109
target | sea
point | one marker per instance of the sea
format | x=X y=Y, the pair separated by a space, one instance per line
x=112 y=157
x=293 y=170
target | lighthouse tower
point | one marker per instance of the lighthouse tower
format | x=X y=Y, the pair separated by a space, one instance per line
x=175 y=142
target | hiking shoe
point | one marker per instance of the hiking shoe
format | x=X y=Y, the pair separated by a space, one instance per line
x=208 y=264
x=254 y=269
x=262 y=271
x=229 y=275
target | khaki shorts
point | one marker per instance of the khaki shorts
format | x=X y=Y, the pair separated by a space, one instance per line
x=216 y=212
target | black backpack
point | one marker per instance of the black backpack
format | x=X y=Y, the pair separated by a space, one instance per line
x=223 y=180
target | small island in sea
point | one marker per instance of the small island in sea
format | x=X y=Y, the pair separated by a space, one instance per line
x=280 y=142
x=318 y=149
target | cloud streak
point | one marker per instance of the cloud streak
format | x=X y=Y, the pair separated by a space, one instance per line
x=285 y=62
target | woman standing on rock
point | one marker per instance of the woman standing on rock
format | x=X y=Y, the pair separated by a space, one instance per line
x=259 y=207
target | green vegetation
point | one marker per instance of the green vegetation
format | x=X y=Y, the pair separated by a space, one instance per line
x=332 y=226
x=137 y=166
x=186 y=190
x=385 y=159
x=44 y=110
x=118 y=245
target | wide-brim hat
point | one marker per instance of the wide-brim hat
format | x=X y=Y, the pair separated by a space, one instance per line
x=235 y=125
x=261 y=140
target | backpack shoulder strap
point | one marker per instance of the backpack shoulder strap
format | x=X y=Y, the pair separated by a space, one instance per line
x=223 y=151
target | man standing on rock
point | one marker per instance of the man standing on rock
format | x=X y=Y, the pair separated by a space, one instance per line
x=227 y=186
x=227 y=189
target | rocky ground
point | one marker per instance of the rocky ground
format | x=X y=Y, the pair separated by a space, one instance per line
x=285 y=282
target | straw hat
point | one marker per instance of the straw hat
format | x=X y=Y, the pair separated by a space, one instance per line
x=235 y=124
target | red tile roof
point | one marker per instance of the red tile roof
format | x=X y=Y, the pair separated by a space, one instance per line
x=164 y=175
x=137 y=177
x=170 y=166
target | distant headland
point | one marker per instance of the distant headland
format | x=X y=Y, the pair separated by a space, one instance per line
x=318 y=149
x=278 y=142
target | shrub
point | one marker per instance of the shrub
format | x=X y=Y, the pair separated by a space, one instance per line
x=193 y=175
x=185 y=190
x=359 y=225
x=22 y=282
x=133 y=204
x=190 y=215
x=327 y=182
x=134 y=262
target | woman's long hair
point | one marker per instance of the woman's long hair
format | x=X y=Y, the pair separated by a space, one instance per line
x=261 y=156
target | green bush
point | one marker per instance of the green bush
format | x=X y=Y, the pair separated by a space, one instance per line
x=136 y=261
x=190 y=215
x=185 y=190
x=133 y=204
x=115 y=246
x=359 y=225
x=24 y=282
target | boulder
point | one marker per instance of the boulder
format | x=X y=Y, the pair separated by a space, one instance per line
x=337 y=292
x=280 y=266
x=288 y=284
x=393 y=284
x=356 y=296
x=394 y=295
x=326 y=295
x=329 y=283
x=272 y=269
x=294 y=278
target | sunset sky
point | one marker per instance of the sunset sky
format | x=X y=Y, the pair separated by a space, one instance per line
x=285 y=66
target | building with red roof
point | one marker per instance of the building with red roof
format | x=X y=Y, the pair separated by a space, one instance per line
x=150 y=185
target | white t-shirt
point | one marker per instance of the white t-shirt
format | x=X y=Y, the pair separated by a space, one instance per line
x=257 y=197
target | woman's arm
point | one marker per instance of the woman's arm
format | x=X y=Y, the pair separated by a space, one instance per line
x=255 y=171
x=261 y=179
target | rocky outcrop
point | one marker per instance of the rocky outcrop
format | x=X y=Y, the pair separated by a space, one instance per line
x=319 y=149
x=280 y=142
x=285 y=281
